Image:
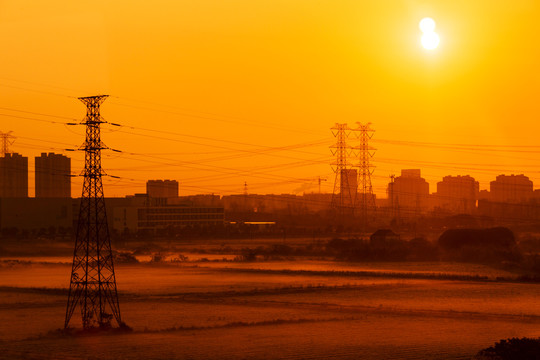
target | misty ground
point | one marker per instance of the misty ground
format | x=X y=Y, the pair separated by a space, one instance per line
x=211 y=307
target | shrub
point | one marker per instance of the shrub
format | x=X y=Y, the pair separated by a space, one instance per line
x=512 y=349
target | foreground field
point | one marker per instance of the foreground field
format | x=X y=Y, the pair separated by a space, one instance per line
x=297 y=310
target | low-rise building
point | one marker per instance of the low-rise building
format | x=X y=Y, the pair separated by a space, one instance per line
x=152 y=218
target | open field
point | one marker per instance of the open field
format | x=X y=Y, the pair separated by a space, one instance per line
x=266 y=310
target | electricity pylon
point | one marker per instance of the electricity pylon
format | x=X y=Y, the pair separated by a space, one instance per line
x=93 y=282
x=6 y=142
x=344 y=191
x=365 y=199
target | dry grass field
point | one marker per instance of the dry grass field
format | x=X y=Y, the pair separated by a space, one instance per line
x=303 y=309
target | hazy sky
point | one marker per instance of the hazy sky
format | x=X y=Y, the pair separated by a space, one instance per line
x=213 y=93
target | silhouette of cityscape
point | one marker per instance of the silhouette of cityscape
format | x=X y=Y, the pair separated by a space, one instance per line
x=510 y=198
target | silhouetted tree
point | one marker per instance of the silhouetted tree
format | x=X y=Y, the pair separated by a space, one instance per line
x=479 y=245
x=512 y=349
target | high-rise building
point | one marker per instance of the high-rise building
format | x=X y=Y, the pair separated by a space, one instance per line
x=53 y=176
x=511 y=189
x=458 y=194
x=162 y=188
x=13 y=176
x=409 y=192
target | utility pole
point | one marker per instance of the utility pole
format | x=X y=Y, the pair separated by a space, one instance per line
x=390 y=195
x=6 y=142
x=93 y=282
x=245 y=207
x=393 y=198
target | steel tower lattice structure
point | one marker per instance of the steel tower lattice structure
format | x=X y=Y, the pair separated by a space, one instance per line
x=365 y=199
x=93 y=282
x=342 y=197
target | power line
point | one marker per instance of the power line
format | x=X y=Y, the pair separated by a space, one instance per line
x=215 y=117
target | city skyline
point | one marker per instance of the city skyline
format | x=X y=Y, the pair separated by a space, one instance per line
x=171 y=187
x=228 y=94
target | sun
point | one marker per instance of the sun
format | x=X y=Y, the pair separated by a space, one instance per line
x=430 y=39
x=427 y=25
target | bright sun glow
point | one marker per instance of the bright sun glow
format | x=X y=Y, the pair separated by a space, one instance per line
x=430 y=39
x=427 y=25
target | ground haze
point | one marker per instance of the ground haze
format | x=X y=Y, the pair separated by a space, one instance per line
x=296 y=308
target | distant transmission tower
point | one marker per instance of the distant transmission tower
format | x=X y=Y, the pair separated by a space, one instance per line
x=6 y=142
x=365 y=200
x=93 y=283
x=344 y=188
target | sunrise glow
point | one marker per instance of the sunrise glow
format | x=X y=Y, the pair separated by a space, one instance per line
x=218 y=180
x=430 y=39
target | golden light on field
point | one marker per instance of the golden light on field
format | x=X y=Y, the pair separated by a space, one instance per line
x=430 y=39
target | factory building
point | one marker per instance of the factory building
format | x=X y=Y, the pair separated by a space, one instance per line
x=155 y=218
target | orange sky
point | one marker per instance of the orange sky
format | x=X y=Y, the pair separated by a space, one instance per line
x=247 y=90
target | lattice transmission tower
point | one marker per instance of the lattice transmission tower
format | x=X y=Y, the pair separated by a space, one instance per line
x=345 y=181
x=93 y=282
x=365 y=199
x=7 y=140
